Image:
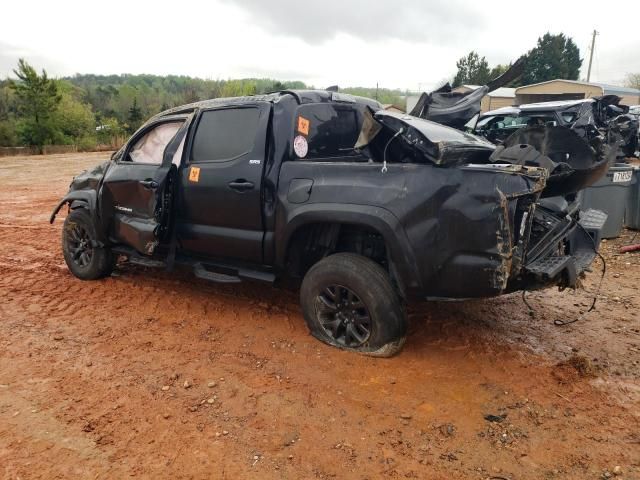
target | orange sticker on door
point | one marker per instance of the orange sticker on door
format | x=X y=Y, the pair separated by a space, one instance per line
x=303 y=125
x=194 y=174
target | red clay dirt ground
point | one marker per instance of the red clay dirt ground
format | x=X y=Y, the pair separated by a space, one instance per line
x=154 y=375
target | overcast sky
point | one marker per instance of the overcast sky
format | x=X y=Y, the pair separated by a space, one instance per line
x=407 y=44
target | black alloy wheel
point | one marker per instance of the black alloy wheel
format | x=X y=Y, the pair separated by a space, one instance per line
x=343 y=316
x=350 y=302
x=79 y=244
x=86 y=257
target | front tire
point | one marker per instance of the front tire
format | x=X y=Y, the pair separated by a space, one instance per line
x=348 y=301
x=85 y=259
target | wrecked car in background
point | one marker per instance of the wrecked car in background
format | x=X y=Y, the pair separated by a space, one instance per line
x=597 y=120
x=364 y=209
x=591 y=118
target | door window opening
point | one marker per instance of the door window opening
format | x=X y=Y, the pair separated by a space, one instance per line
x=150 y=148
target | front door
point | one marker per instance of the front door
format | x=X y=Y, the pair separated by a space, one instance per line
x=137 y=189
x=220 y=208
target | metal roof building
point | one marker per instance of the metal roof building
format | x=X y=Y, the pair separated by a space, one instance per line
x=553 y=90
x=500 y=97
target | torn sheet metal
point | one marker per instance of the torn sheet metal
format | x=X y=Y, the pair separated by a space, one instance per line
x=455 y=109
x=448 y=107
x=571 y=163
x=434 y=142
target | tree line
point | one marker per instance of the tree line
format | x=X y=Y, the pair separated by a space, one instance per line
x=554 y=56
x=86 y=110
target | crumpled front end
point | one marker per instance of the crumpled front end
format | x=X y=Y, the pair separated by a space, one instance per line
x=89 y=179
x=83 y=189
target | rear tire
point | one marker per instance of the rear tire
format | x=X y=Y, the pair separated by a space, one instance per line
x=349 y=302
x=84 y=258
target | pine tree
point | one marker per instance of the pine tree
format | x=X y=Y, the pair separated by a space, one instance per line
x=555 y=56
x=472 y=70
x=135 y=116
x=38 y=100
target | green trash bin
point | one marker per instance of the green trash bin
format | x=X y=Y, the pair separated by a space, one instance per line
x=632 y=213
x=609 y=194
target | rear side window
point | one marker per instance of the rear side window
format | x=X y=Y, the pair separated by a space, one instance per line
x=225 y=134
x=333 y=129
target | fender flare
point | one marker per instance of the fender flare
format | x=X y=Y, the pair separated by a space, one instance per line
x=378 y=219
x=77 y=199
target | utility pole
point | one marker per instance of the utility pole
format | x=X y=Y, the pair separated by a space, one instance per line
x=593 y=44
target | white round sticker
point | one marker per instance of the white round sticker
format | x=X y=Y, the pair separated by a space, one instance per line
x=300 y=146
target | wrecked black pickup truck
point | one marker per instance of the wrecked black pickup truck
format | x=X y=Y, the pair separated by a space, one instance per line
x=365 y=210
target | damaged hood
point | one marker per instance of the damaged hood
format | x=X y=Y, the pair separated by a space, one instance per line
x=439 y=144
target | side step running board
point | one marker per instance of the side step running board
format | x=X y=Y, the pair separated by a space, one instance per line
x=137 y=259
x=201 y=272
x=233 y=275
x=146 y=262
x=207 y=271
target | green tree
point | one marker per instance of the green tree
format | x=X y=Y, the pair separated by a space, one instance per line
x=74 y=120
x=472 y=70
x=110 y=132
x=135 y=116
x=8 y=132
x=112 y=95
x=120 y=104
x=38 y=99
x=102 y=98
x=498 y=70
x=7 y=100
x=239 y=88
x=555 y=56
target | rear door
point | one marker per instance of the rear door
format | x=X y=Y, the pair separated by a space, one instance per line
x=220 y=204
x=137 y=189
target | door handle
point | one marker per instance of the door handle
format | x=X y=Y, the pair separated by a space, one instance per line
x=240 y=185
x=149 y=184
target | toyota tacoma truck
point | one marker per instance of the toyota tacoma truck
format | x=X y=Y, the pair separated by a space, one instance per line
x=364 y=210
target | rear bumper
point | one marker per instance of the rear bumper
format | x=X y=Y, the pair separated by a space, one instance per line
x=566 y=256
